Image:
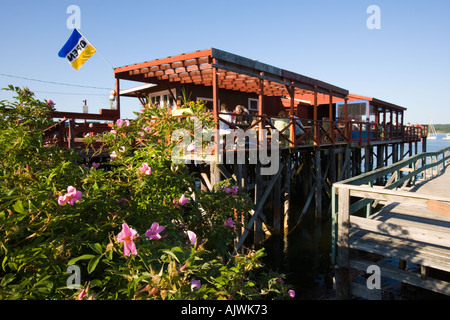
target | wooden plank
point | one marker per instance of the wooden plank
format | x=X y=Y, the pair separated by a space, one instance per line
x=362 y=291
x=437 y=236
x=439 y=286
x=414 y=252
x=223 y=170
x=439 y=207
x=411 y=216
x=395 y=196
x=87 y=116
x=206 y=180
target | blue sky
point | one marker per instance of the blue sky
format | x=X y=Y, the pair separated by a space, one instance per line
x=406 y=62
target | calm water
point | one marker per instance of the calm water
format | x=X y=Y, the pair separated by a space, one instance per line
x=436 y=145
x=304 y=255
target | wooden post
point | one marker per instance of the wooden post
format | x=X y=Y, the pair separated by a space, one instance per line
x=277 y=207
x=331 y=118
x=318 y=185
x=214 y=174
x=346 y=111
x=238 y=177
x=71 y=134
x=332 y=174
x=287 y=191
x=339 y=165
x=215 y=87
x=330 y=107
x=261 y=107
x=343 y=245
x=380 y=160
x=259 y=190
x=316 y=132
x=291 y=116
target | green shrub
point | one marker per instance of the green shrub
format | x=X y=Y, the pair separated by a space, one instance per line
x=56 y=212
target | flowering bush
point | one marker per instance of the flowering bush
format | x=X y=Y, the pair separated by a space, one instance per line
x=136 y=226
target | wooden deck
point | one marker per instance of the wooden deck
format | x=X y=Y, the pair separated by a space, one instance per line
x=412 y=226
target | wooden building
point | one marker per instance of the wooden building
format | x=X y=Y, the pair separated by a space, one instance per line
x=342 y=134
x=328 y=134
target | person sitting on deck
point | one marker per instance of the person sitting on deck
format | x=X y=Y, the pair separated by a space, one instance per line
x=244 y=120
x=281 y=123
x=224 y=128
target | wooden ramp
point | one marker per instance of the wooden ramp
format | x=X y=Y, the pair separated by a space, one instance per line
x=412 y=227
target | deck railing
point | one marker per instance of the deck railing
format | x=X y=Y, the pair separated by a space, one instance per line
x=68 y=131
x=293 y=131
x=323 y=132
x=400 y=174
x=348 y=211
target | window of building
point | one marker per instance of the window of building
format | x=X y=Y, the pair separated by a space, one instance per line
x=163 y=98
x=253 y=104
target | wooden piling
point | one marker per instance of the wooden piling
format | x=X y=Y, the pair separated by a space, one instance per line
x=287 y=191
x=318 y=184
x=259 y=189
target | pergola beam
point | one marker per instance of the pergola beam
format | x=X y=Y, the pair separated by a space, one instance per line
x=185 y=67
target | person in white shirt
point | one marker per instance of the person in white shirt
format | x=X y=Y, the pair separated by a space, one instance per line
x=224 y=128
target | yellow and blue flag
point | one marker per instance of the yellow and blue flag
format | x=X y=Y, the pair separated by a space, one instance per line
x=77 y=50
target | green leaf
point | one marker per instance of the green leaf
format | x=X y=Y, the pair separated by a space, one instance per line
x=83 y=257
x=7 y=279
x=170 y=253
x=96 y=247
x=109 y=254
x=93 y=264
x=5 y=259
x=18 y=207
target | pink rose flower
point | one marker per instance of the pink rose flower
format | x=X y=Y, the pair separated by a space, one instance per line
x=121 y=122
x=192 y=237
x=195 y=284
x=126 y=236
x=233 y=190
x=154 y=232
x=145 y=169
x=191 y=147
x=183 y=200
x=229 y=223
x=291 y=294
x=70 y=197
x=81 y=294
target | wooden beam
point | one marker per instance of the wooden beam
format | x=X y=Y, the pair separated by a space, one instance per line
x=157 y=62
x=215 y=88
